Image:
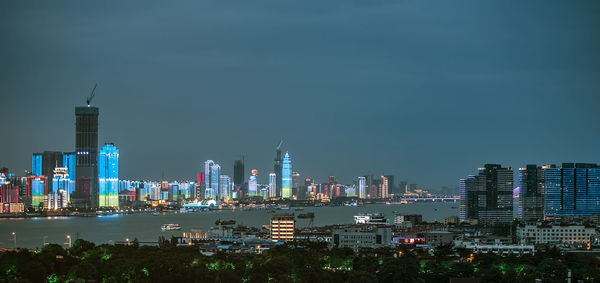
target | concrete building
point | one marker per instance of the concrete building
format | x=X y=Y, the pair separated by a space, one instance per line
x=362 y=236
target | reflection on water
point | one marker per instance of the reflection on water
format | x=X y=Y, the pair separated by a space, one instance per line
x=33 y=232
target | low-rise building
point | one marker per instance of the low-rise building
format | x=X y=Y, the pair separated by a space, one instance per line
x=437 y=238
x=555 y=234
x=496 y=248
x=362 y=236
x=282 y=227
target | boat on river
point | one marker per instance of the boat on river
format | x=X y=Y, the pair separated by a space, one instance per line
x=170 y=227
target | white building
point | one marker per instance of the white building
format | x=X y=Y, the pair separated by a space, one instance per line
x=548 y=234
x=496 y=248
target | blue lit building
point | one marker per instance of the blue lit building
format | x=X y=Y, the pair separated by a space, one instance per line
x=108 y=173
x=70 y=162
x=37 y=192
x=572 y=190
x=286 y=177
x=36 y=164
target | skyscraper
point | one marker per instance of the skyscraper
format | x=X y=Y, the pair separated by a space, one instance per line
x=272 y=185
x=224 y=187
x=295 y=183
x=487 y=197
x=86 y=148
x=212 y=172
x=253 y=185
x=531 y=193
x=384 y=187
x=362 y=187
x=277 y=168
x=286 y=177
x=572 y=190
x=238 y=172
x=109 y=176
x=36 y=164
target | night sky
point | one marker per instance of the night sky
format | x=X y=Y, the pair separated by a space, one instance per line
x=427 y=91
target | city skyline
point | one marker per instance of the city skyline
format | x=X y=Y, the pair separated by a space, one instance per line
x=390 y=92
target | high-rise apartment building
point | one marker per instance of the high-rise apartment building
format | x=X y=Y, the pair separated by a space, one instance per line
x=487 y=197
x=108 y=176
x=572 y=190
x=86 y=148
x=384 y=187
x=531 y=193
x=286 y=172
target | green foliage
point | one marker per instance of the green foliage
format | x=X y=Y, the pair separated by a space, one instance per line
x=296 y=262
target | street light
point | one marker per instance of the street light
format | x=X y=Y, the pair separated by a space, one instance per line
x=68 y=241
x=127 y=241
x=15 y=240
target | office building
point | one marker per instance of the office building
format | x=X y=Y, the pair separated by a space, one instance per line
x=282 y=227
x=286 y=179
x=224 y=187
x=36 y=164
x=109 y=176
x=391 y=186
x=86 y=148
x=572 y=190
x=212 y=172
x=272 y=185
x=295 y=184
x=531 y=193
x=362 y=187
x=61 y=185
x=487 y=197
x=70 y=162
x=38 y=185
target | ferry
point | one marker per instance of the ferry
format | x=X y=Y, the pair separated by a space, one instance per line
x=170 y=227
x=370 y=218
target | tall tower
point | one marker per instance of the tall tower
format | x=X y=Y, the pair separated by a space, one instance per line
x=362 y=187
x=277 y=167
x=238 y=172
x=86 y=148
x=272 y=185
x=109 y=176
x=286 y=177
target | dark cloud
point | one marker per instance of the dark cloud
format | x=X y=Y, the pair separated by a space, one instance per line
x=425 y=90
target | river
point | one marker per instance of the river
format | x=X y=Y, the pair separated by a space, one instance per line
x=33 y=232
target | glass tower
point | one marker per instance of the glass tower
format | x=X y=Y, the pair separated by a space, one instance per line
x=36 y=164
x=572 y=190
x=488 y=196
x=109 y=176
x=252 y=186
x=531 y=196
x=286 y=177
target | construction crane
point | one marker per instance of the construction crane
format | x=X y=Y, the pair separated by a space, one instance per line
x=89 y=99
x=280 y=143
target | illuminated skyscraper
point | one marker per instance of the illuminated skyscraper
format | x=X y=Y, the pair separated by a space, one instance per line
x=362 y=187
x=272 y=185
x=253 y=184
x=295 y=183
x=70 y=162
x=109 y=176
x=60 y=188
x=86 y=147
x=212 y=172
x=384 y=187
x=37 y=191
x=572 y=190
x=277 y=167
x=286 y=177
x=36 y=164
x=224 y=187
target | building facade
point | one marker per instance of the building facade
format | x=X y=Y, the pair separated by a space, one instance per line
x=86 y=148
x=109 y=176
x=286 y=177
x=531 y=193
x=282 y=227
x=555 y=234
x=487 y=197
x=272 y=185
x=572 y=190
